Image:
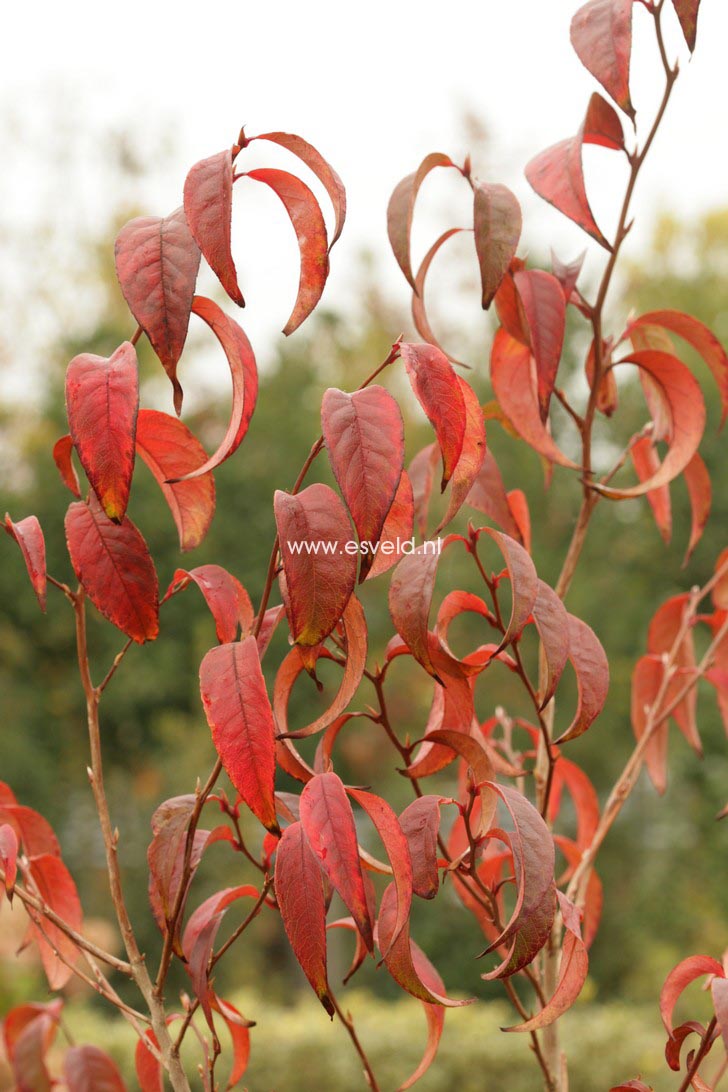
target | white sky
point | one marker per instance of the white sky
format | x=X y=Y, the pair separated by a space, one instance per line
x=375 y=86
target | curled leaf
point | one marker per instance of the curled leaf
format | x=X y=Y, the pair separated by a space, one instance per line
x=208 y=204
x=226 y=597
x=401 y=209
x=497 y=226
x=28 y=534
x=440 y=394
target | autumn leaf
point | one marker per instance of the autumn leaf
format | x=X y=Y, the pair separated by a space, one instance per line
x=401 y=210
x=208 y=205
x=28 y=534
x=601 y=34
x=497 y=229
x=438 y=391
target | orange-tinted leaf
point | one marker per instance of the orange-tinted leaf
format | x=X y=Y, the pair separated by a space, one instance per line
x=471 y=458
x=62 y=452
x=157 y=261
x=148 y=1068
x=410 y=596
x=591 y=666
x=583 y=795
x=420 y=822
x=451 y=711
x=8 y=855
x=684 y=401
x=364 y=435
x=244 y=372
x=325 y=173
x=56 y=888
x=544 y=309
x=238 y=1027
x=552 y=622
x=226 y=597
x=438 y=391
x=647 y=679
x=601 y=34
x=497 y=228
x=313 y=528
x=647 y=464
x=661 y=636
x=697 y=480
x=401 y=208
x=88 y=1069
x=398 y=529
x=308 y=224
x=102 y=400
x=208 y=200
x=488 y=495
x=171 y=452
x=34 y=832
x=328 y=822
x=396 y=844
x=687 y=13
x=300 y=897
x=28 y=534
x=422 y=476
x=512 y=374
x=240 y=717
x=679 y=978
x=113 y=563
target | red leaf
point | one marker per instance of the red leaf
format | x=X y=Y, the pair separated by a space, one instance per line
x=199 y=937
x=662 y=634
x=592 y=676
x=422 y=476
x=398 y=528
x=632 y=1086
x=88 y=1069
x=226 y=597
x=355 y=630
x=240 y=717
x=328 y=822
x=33 y=831
x=497 y=227
x=308 y=224
x=488 y=495
x=8 y=855
x=56 y=889
x=687 y=13
x=697 y=480
x=471 y=458
x=419 y=311
x=300 y=897
x=244 y=372
x=238 y=1026
x=410 y=597
x=420 y=822
x=113 y=563
x=325 y=173
x=552 y=622
x=28 y=534
x=401 y=208
x=364 y=435
x=62 y=452
x=396 y=844
x=148 y=1068
x=557 y=174
x=102 y=400
x=208 y=197
x=512 y=374
x=313 y=528
x=583 y=795
x=680 y=978
x=647 y=464
x=451 y=711
x=29 y=1031
x=544 y=308
x=171 y=452
x=157 y=261
x=438 y=391
x=686 y=408
x=702 y=340
x=166 y=854
x=601 y=34
x=524 y=583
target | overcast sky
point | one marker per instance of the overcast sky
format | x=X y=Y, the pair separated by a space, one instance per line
x=375 y=86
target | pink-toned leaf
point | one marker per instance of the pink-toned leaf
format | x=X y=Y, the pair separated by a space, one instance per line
x=113 y=563
x=719 y=991
x=679 y=978
x=199 y=937
x=208 y=204
x=687 y=13
x=544 y=309
x=567 y=273
x=398 y=529
x=58 y=891
x=308 y=224
x=325 y=173
x=601 y=34
x=401 y=208
x=647 y=464
x=28 y=1032
x=28 y=534
x=226 y=597
x=328 y=823
x=364 y=435
x=697 y=480
x=62 y=452
x=420 y=822
x=157 y=261
x=552 y=622
x=244 y=372
x=300 y=896
x=497 y=226
x=440 y=394
x=88 y=1069
x=102 y=400
x=8 y=855
x=591 y=666
x=313 y=527
x=171 y=452
x=471 y=458
x=241 y=720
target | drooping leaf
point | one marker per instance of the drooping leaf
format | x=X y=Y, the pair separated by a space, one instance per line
x=364 y=435
x=147 y=1067
x=488 y=495
x=471 y=458
x=591 y=667
x=33 y=831
x=208 y=205
x=328 y=823
x=226 y=597
x=697 y=480
x=687 y=13
x=497 y=226
x=398 y=529
x=157 y=261
x=58 y=891
x=313 y=528
x=166 y=855
x=308 y=224
x=112 y=562
x=29 y=1031
x=88 y=1069
x=238 y=1027
x=544 y=309
x=8 y=856
x=552 y=622
x=420 y=822
x=583 y=796
x=524 y=582
x=401 y=208
x=102 y=400
x=171 y=452
x=646 y=464
x=422 y=477
x=396 y=844
x=62 y=452
x=601 y=34
x=28 y=534
x=241 y=720
x=647 y=679
x=244 y=372
x=679 y=978
x=410 y=596
x=300 y=896
x=664 y=630
x=419 y=311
